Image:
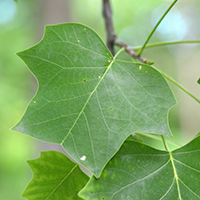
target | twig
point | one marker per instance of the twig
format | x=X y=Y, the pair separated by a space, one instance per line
x=131 y=52
x=107 y=14
x=112 y=38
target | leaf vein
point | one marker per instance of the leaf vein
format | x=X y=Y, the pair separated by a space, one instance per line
x=55 y=33
x=88 y=100
x=130 y=184
x=90 y=137
x=187 y=166
x=168 y=189
x=132 y=104
x=189 y=188
x=61 y=182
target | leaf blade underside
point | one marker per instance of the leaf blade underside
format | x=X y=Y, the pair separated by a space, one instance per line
x=87 y=101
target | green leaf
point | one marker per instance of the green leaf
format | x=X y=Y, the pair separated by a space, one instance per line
x=55 y=177
x=198 y=81
x=87 y=101
x=140 y=172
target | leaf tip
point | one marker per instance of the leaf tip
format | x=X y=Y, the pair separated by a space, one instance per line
x=198 y=81
x=19 y=54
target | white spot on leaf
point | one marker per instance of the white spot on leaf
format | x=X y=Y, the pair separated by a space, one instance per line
x=84 y=29
x=109 y=61
x=140 y=67
x=34 y=101
x=78 y=40
x=99 y=76
x=83 y=158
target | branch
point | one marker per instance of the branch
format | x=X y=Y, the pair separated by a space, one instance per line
x=107 y=14
x=112 y=38
x=131 y=52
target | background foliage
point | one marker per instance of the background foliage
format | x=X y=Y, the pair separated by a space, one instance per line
x=16 y=89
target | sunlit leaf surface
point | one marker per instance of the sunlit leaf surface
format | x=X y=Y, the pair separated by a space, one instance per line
x=140 y=172
x=88 y=101
x=56 y=177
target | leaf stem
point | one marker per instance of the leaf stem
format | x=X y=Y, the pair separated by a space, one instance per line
x=157 y=138
x=164 y=142
x=155 y=27
x=131 y=52
x=167 y=43
x=180 y=86
x=122 y=49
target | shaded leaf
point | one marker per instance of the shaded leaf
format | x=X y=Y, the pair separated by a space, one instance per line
x=87 y=101
x=55 y=177
x=140 y=172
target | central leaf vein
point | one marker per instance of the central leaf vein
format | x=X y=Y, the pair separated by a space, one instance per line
x=88 y=101
x=175 y=175
x=61 y=181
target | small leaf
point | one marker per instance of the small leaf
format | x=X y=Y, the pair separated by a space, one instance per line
x=55 y=177
x=140 y=172
x=198 y=81
x=89 y=102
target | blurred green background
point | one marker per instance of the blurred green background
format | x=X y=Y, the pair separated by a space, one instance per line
x=22 y=25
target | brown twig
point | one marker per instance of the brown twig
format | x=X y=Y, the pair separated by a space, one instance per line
x=107 y=14
x=131 y=52
x=112 y=38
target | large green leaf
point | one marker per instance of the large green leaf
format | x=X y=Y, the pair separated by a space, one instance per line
x=140 y=172
x=55 y=177
x=87 y=101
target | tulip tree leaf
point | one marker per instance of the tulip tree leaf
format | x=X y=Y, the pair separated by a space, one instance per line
x=139 y=172
x=55 y=177
x=87 y=101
